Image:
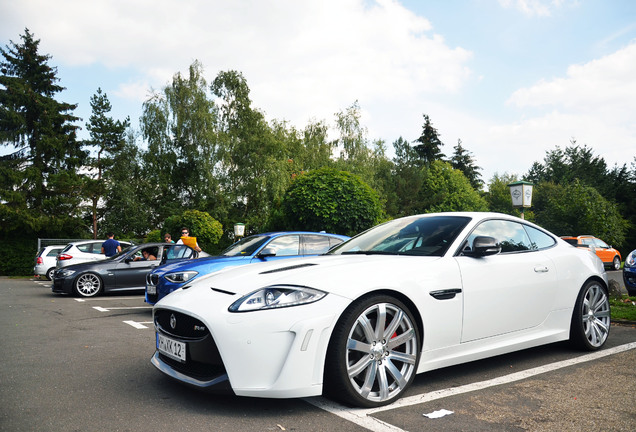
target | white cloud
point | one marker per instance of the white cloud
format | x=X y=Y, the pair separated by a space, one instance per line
x=540 y=8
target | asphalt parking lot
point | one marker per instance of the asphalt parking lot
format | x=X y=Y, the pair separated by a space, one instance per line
x=84 y=365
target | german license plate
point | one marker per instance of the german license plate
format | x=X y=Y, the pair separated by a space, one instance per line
x=172 y=348
x=151 y=289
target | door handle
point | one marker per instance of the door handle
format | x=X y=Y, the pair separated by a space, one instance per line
x=541 y=269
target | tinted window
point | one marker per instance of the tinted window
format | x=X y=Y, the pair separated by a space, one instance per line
x=510 y=235
x=539 y=239
x=417 y=235
x=86 y=247
x=315 y=244
x=285 y=245
x=53 y=252
x=246 y=246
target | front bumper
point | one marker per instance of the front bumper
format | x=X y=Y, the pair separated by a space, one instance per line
x=275 y=353
x=61 y=284
x=629 y=278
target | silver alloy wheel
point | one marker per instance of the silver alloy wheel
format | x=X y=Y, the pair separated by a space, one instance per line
x=617 y=263
x=88 y=285
x=595 y=315
x=381 y=352
x=49 y=273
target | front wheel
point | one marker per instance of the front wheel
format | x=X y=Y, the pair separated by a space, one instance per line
x=591 y=318
x=373 y=353
x=88 y=285
x=616 y=263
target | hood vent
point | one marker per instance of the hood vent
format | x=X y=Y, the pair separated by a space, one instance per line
x=222 y=291
x=294 y=267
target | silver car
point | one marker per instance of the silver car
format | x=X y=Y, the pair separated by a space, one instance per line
x=83 y=251
x=45 y=261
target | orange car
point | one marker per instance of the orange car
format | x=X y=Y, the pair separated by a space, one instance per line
x=610 y=256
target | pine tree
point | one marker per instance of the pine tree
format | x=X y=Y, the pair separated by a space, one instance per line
x=43 y=190
x=429 y=144
x=463 y=160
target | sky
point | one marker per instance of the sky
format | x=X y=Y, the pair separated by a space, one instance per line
x=511 y=79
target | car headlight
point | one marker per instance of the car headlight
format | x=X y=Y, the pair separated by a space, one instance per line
x=66 y=273
x=278 y=296
x=629 y=261
x=180 y=277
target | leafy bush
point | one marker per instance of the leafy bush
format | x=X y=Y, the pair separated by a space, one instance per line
x=204 y=227
x=331 y=200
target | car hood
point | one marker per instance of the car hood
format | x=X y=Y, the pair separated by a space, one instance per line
x=345 y=275
x=194 y=264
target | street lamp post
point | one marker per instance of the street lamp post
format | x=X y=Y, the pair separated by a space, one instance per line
x=239 y=230
x=521 y=194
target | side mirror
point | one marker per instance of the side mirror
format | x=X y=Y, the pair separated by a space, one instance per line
x=267 y=252
x=484 y=246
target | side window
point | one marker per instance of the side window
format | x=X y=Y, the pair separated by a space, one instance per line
x=601 y=244
x=315 y=244
x=86 y=247
x=334 y=241
x=285 y=245
x=178 y=252
x=53 y=252
x=97 y=248
x=587 y=242
x=539 y=239
x=510 y=235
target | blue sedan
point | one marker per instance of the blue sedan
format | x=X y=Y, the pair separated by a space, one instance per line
x=629 y=273
x=257 y=248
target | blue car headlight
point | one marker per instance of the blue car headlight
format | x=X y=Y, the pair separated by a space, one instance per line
x=630 y=260
x=181 y=277
x=277 y=296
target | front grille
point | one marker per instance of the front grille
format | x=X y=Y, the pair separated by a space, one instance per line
x=203 y=360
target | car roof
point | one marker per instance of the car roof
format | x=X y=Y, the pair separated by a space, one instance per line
x=280 y=233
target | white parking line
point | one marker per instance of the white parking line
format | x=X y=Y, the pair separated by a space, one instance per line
x=82 y=300
x=138 y=325
x=101 y=309
x=362 y=416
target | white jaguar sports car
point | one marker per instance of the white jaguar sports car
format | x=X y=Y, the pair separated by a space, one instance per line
x=405 y=297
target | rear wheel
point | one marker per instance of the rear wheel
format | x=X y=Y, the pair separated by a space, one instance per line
x=88 y=285
x=373 y=353
x=616 y=263
x=591 y=318
x=49 y=273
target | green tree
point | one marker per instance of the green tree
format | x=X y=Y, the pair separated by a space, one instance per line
x=576 y=209
x=179 y=124
x=204 y=227
x=447 y=189
x=403 y=197
x=254 y=164
x=333 y=201
x=464 y=161
x=429 y=144
x=129 y=204
x=107 y=139
x=498 y=195
x=40 y=184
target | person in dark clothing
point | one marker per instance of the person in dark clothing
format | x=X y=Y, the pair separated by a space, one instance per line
x=111 y=246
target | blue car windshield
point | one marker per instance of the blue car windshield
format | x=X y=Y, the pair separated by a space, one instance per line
x=417 y=235
x=246 y=246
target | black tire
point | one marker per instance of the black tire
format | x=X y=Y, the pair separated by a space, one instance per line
x=88 y=285
x=49 y=273
x=616 y=263
x=367 y=369
x=590 y=325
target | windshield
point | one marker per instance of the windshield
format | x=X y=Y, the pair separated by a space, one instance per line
x=246 y=246
x=416 y=235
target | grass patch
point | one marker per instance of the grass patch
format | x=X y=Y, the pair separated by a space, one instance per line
x=623 y=308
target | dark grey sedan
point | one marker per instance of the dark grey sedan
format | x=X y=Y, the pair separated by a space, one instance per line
x=125 y=271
